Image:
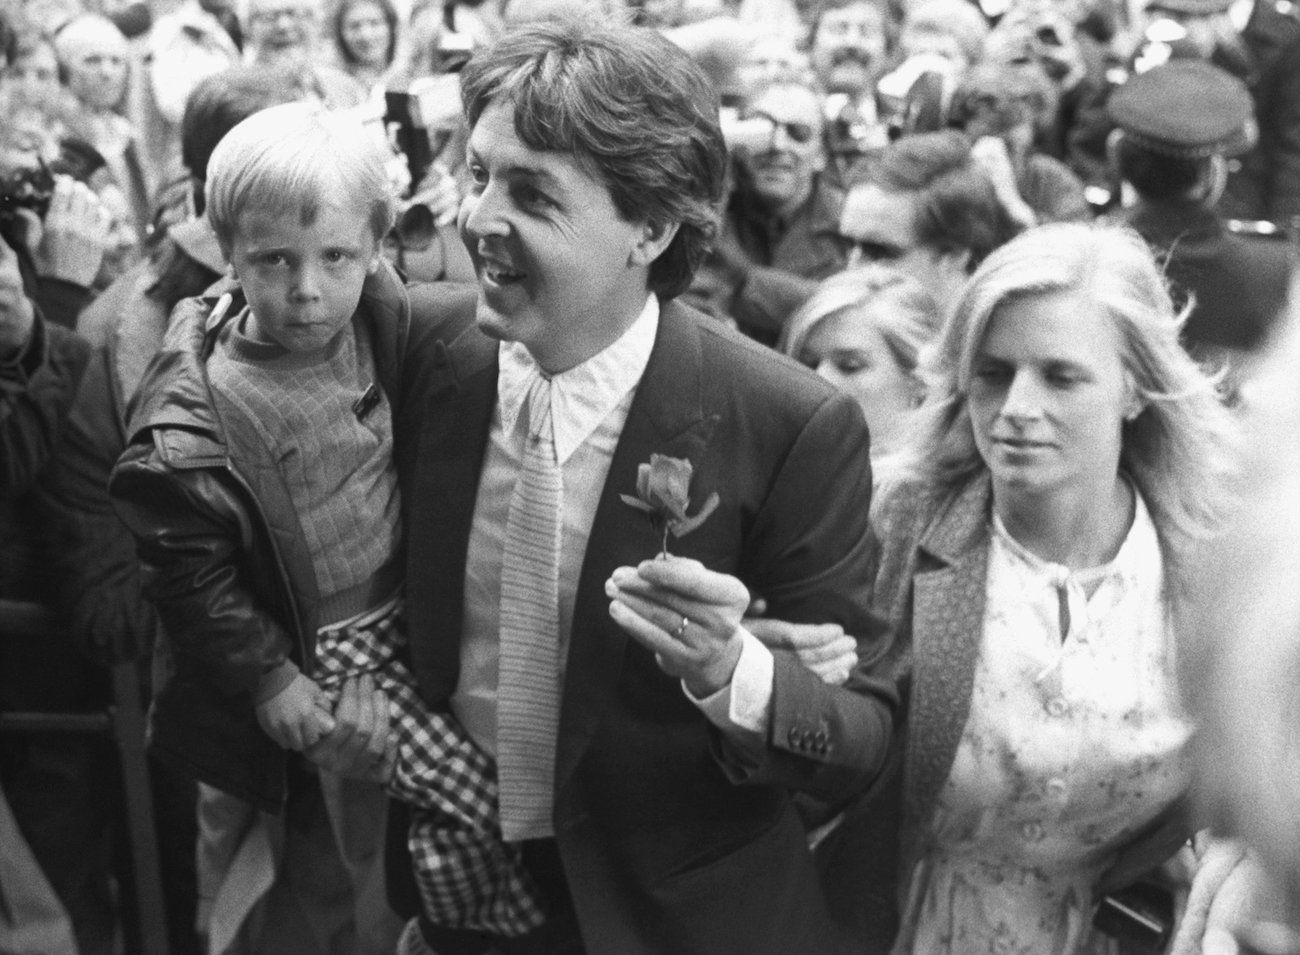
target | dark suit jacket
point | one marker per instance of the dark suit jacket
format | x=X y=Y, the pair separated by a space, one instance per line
x=673 y=839
x=1239 y=283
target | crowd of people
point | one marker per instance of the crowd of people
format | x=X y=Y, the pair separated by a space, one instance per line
x=677 y=477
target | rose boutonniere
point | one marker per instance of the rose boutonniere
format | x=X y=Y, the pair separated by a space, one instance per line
x=663 y=492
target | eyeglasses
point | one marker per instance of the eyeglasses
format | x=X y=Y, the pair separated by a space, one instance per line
x=798 y=132
x=870 y=250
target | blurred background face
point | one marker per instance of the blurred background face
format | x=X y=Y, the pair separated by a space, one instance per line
x=928 y=39
x=366 y=35
x=849 y=350
x=94 y=55
x=771 y=59
x=848 y=49
x=26 y=140
x=783 y=168
x=280 y=30
x=36 y=70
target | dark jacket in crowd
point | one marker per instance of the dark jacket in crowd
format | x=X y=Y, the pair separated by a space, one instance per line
x=783 y=261
x=1237 y=282
x=1267 y=186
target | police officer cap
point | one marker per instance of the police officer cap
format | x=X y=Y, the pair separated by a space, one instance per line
x=1194 y=7
x=1188 y=109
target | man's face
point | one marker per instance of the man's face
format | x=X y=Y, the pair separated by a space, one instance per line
x=280 y=30
x=559 y=269
x=882 y=227
x=303 y=279
x=848 y=49
x=95 y=57
x=782 y=170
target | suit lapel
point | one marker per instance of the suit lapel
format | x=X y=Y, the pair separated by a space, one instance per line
x=947 y=623
x=667 y=417
x=457 y=406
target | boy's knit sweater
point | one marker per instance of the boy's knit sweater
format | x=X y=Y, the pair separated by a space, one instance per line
x=335 y=458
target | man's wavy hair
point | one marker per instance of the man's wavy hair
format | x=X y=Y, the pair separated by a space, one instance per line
x=632 y=107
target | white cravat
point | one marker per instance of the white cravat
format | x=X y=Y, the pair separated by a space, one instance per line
x=528 y=694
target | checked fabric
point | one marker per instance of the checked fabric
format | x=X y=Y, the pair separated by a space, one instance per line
x=528 y=688
x=468 y=876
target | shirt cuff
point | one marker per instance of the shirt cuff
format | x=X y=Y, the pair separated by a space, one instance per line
x=746 y=702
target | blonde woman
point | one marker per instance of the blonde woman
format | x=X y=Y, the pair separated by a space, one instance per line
x=863 y=331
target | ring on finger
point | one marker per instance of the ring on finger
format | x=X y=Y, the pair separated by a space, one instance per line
x=681 y=628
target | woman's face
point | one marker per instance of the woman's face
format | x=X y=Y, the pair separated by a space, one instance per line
x=849 y=351
x=366 y=35
x=1048 y=396
x=36 y=70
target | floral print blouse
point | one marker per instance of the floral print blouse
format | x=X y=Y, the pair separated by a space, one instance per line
x=1073 y=743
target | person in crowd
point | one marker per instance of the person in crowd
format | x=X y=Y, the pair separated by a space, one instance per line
x=926 y=207
x=778 y=235
x=285 y=33
x=1179 y=124
x=863 y=331
x=588 y=213
x=34 y=65
x=1259 y=43
x=1243 y=647
x=55 y=223
x=938 y=42
x=1002 y=107
x=850 y=43
x=95 y=61
x=184 y=47
x=91 y=556
x=365 y=34
x=1067 y=457
x=39 y=369
x=1082 y=70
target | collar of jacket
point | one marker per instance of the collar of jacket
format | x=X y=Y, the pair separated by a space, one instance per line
x=174 y=398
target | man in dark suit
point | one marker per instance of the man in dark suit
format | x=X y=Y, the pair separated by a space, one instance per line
x=665 y=822
x=1178 y=124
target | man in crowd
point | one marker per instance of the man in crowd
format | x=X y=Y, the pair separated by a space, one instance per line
x=596 y=159
x=1259 y=43
x=1180 y=123
x=926 y=207
x=849 y=44
x=779 y=231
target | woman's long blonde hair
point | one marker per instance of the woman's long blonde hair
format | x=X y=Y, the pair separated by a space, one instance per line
x=1179 y=449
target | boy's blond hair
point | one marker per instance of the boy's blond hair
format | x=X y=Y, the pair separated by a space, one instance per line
x=291 y=160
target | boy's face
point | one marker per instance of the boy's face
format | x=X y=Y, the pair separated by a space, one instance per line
x=303 y=281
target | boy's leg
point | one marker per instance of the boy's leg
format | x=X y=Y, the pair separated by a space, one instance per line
x=358 y=813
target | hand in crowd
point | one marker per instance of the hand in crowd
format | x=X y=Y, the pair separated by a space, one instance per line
x=687 y=615
x=298 y=716
x=823 y=648
x=359 y=746
x=438 y=191
x=74 y=235
x=992 y=155
x=16 y=313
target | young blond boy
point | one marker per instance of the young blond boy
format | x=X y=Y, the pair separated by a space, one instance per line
x=261 y=488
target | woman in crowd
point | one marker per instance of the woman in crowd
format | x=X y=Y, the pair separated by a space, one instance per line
x=862 y=330
x=1067 y=454
x=365 y=38
x=1034 y=548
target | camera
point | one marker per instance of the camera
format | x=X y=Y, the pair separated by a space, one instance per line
x=32 y=187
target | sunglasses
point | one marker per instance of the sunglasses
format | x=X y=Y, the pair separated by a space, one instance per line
x=870 y=250
x=798 y=132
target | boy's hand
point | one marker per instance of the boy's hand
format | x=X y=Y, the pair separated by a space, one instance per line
x=298 y=716
x=361 y=746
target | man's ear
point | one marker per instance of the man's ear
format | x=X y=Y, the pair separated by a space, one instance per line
x=655 y=238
